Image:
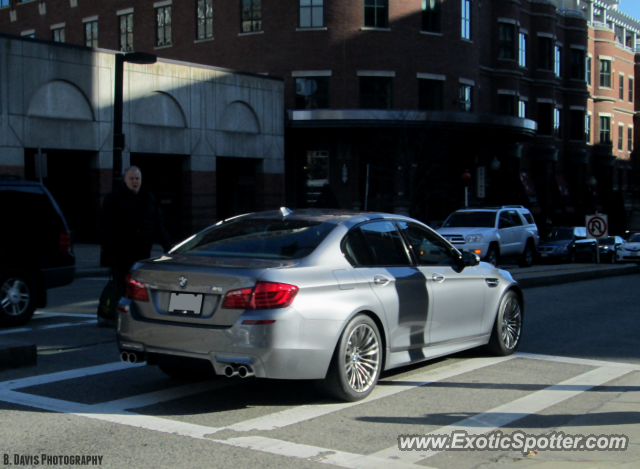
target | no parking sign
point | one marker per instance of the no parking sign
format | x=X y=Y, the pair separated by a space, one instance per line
x=597 y=226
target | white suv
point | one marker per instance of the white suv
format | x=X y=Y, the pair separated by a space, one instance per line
x=493 y=233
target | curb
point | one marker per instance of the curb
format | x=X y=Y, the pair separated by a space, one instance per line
x=550 y=279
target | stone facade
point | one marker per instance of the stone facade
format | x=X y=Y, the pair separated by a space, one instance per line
x=178 y=118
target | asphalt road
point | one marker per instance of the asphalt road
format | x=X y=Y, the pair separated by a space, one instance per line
x=80 y=400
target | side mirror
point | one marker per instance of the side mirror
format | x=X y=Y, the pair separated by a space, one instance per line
x=470 y=259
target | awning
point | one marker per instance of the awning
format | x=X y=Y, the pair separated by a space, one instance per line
x=530 y=190
x=564 y=193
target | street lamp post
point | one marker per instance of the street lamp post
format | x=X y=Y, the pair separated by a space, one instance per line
x=141 y=58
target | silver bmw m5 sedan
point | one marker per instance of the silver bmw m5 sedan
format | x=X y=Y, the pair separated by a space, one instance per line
x=326 y=295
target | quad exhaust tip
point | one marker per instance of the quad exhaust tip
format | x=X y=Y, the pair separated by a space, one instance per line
x=131 y=357
x=244 y=371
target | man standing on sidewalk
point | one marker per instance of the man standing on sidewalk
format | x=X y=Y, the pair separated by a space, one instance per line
x=131 y=222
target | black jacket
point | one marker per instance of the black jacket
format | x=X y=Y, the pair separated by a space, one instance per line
x=132 y=222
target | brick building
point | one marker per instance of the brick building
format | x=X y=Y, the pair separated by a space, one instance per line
x=389 y=102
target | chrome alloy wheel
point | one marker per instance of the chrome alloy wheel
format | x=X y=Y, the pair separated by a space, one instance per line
x=511 y=323
x=14 y=296
x=362 y=358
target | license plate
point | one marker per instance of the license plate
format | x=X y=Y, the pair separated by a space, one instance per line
x=544 y=254
x=185 y=304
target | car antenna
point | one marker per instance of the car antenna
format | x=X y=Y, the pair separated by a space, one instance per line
x=285 y=211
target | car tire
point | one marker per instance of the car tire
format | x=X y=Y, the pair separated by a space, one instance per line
x=507 y=327
x=572 y=257
x=18 y=297
x=614 y=258
x=351 y=377
x=526 y=260
x=493 y=256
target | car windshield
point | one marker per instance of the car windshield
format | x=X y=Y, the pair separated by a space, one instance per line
x=258 y=239
x=560 y=234
x=471 y=220
x=634 y=239
x=608 y=241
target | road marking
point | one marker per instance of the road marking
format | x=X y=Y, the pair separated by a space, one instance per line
x=514 y=410
x=49 y=326
x=389 y=458
x=69 y=374
x=53 y=314
x=576 y=361
x=314 y=453
x=144 y=400
x=308 y=412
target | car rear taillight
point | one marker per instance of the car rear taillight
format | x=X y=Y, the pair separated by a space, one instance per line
x=265 y=295
x=135 y=290
x=65 y=242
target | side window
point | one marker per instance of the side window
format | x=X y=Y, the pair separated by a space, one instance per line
x=581 y=233
x=504 y=221
x=377 y=243
x=515 y=218
x=529 y=218
x=427 y=247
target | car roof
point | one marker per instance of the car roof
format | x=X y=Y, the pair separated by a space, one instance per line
x=335 y=216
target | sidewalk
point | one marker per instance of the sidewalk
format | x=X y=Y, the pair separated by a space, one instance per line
x=88 y=265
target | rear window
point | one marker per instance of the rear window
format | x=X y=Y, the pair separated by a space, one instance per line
x=528 y=217
x=471 y=220
x=258 y=239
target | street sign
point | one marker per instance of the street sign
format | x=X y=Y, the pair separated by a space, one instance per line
x=597 y=226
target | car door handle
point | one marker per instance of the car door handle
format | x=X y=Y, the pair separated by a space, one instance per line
x=437 y=278
x=380 y=280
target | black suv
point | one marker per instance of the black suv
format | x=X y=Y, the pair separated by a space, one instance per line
x=568 y=243
x=35 y=249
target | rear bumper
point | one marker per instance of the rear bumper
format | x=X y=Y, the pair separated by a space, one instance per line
x=290 y=348
x=58 y=276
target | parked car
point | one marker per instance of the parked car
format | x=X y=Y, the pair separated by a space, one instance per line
x=494 y=233
x=568 y=243
x=326 y=295
x=630 y=249
x=608 y=248
x=35 y=250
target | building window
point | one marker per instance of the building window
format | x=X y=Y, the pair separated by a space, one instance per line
x=4 y=3
x=163 y=26
x=621 y=137
x=577 y=125
x=605 y=129
x=376 y=13
x=375 y=92
x=431 y=16
x=125 y=39
x=466 y=19
x=577 y=64
x=91 y=34
x=506 y=41
x=587 y=128
x=204 y=19
x=630 y=139
x=430 y=95
x=251 y=16
x=57 y=35
x=588 y=71
x=605 y=74
x=522 y=109
x=557 y=123
x=507 y=104
x=545 y=53
x=630 y=89
x=558 y=61
x=545 y=121
x=466 y=104
x=522 y=49
x=621 y=87
x=311 y=13
x=312 y=93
